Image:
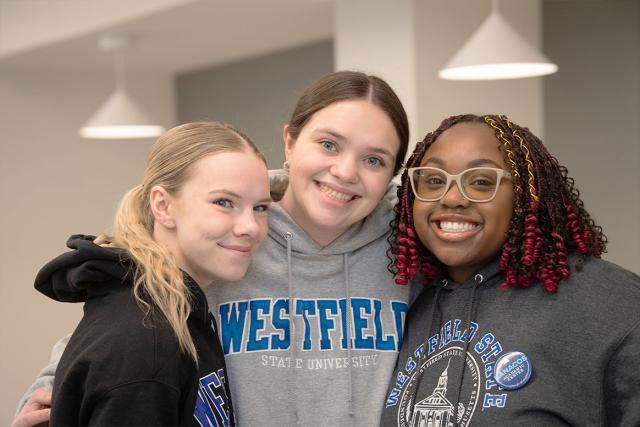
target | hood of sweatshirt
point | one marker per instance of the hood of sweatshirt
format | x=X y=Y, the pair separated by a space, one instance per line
x=77 y=275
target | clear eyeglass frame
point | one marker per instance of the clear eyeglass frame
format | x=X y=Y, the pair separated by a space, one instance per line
x=501 y=173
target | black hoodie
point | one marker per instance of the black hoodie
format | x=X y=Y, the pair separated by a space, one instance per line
x=581 y=347
x=117 y=370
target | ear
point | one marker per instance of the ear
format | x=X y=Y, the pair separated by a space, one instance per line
x=160 y=201
x=289 y=142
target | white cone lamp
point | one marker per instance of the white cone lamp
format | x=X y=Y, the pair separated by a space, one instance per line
x=496 y=51
x=119 y=117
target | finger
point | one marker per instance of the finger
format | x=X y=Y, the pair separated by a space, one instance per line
x=32 y=418
x=41 y=396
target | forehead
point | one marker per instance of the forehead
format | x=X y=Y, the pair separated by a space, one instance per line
x=229 y=170
x=463 y=144
x=358 y=121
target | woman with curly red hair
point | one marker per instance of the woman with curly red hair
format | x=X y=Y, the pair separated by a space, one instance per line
x=520 y=322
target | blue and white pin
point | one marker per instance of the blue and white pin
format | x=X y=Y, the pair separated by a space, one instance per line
x=513 y=370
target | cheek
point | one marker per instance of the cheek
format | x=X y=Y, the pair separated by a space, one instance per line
x=377 y=184
x=421 y=221
x=503 y=213
x=263 y=226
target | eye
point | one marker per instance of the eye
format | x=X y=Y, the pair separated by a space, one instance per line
x=329 y=145
x=374 y=162
x=261 y=208
x=223 y=203
x=434 y=180
x=483 y=182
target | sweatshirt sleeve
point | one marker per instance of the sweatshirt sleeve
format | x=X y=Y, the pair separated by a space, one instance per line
x=140 y=403
x=622 y=382
x=47 y=374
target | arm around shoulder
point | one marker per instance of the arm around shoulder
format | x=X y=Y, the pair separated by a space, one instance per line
x=45 y=378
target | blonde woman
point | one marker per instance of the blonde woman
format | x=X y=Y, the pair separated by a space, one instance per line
x=146 y=352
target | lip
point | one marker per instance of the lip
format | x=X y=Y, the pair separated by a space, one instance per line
x=240 y=250
x=454 y=237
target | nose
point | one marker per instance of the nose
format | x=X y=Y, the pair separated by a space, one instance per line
x=247 y=224
x=453 y=197
x=345 y=168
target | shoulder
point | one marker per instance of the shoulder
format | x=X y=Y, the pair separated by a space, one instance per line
x=599 y=275
x=607 y=292
x=115 y=340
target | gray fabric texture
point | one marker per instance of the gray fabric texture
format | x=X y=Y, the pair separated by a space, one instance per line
x=582 y=342
x=347 y=324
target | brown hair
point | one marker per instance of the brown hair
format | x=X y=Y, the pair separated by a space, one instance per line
x=348 y=85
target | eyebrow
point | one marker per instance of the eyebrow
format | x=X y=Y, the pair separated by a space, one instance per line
x=472 y=164
x=340 y=137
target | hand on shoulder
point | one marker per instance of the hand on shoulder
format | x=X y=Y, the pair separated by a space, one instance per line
x=36 y=411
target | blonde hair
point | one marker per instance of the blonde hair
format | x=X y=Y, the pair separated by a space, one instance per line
x=158 y=281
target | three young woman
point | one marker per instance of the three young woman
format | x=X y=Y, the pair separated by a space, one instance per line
x=521 y=322
x=145 y=351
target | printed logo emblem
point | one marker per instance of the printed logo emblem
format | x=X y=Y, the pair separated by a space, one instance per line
x=437 y=409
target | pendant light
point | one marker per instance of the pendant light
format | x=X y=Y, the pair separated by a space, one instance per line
x=496 y=51
x=119 y=117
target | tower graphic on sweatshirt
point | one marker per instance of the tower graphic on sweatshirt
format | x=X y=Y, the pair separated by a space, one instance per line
x=435 y=410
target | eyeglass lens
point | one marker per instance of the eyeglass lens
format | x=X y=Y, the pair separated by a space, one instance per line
x=478 y=184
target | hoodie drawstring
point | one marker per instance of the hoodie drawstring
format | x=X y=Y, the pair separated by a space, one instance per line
x=434 y=306
x=470 y=316
x=348 y=314
x=292 y=329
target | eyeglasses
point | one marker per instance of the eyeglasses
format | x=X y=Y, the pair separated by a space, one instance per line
x=475 y=184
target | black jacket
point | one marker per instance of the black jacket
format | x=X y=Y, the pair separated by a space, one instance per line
x=117 y=370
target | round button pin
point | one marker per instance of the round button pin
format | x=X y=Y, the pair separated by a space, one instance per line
x=512 y=370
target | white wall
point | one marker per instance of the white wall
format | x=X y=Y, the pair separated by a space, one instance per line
x=53 y=184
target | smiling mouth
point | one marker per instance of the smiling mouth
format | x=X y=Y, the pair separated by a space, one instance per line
x=457 y=226
x=336 y=195
x=240 y=249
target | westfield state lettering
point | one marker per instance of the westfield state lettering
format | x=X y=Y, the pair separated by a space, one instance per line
x=320 y=324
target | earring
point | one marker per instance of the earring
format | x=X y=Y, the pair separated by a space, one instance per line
x=285 y=165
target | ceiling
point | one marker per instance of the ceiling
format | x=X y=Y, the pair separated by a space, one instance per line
x=182 y=35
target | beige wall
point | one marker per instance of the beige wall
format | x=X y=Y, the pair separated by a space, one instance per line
x=53 y=184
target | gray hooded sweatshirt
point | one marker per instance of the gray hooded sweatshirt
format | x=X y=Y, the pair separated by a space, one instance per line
x=333 y=365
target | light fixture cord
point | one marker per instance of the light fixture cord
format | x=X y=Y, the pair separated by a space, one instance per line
x=118 y=61
x=494 y=5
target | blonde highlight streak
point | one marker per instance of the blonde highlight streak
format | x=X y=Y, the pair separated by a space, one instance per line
x=507 y=147
x=530 y=168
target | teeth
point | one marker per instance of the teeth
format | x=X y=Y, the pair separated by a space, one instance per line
x=341 y=197
x=456 y=227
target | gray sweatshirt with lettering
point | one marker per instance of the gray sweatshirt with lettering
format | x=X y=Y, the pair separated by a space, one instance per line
x=581 y=348
x=311 y=334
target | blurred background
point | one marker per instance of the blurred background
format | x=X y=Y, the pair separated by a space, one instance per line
x=245 y=62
